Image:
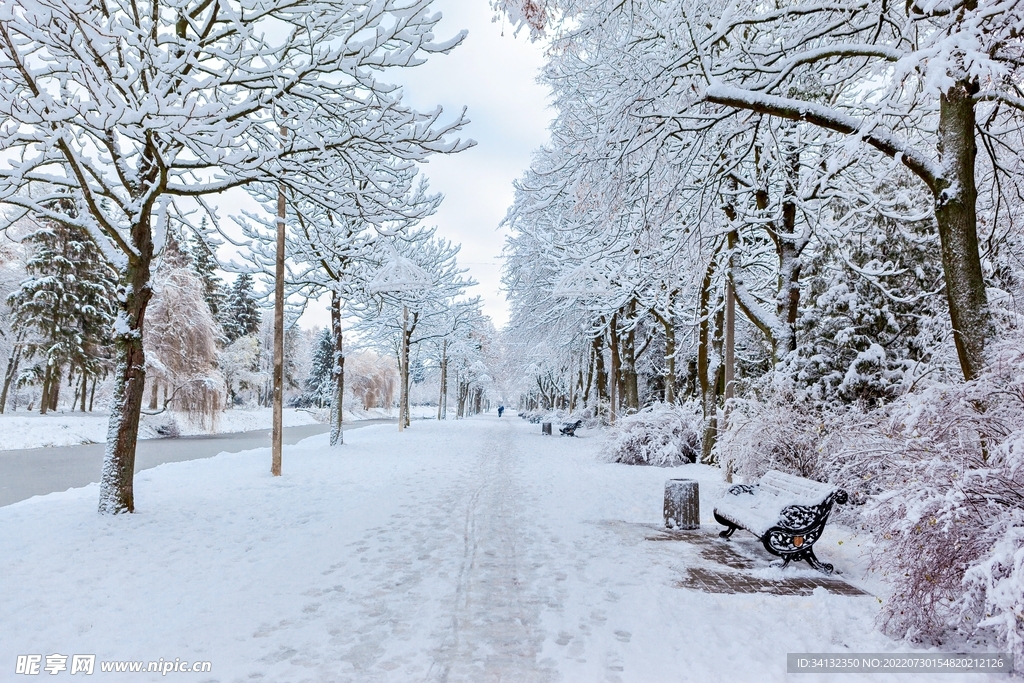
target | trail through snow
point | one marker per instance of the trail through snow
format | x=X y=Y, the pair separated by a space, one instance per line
x=466 y=551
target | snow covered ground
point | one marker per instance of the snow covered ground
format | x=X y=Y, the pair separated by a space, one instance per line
x=474 y=550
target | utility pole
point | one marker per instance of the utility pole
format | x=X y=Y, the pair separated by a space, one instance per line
x=403 y=403
x=278 y=431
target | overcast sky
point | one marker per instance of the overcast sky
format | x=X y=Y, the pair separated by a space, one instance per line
x=493 y=73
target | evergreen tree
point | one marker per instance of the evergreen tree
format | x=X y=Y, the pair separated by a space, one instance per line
x=319 y=386
x=205 y=264
x=65 y=308
x=242 y=313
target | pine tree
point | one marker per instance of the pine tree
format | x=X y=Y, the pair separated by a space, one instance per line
x=204 y=263
x=242 y=313
x=319 y=387
x=65 y=308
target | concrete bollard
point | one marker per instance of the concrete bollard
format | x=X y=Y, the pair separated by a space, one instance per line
x=545 y=428
x=682 y=504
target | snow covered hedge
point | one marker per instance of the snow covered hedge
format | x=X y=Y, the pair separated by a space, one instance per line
x=663 y=434
x=947 y=470
x=784 y=433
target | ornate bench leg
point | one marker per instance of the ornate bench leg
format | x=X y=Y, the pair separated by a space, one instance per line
x=730 y=527
x=823 y=567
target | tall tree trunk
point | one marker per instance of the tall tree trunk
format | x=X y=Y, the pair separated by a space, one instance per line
x=442 y=400
x=615 y=380
x=956 y=197
x=601 y=376
x=337 y=372
x=704 y=339
x=717 y=387
x=668 y=324
x=92 y=392
x=154 y=394
x=590 y=378
x=403 y=363
x=730 y=341
x=463 y=395
x=12 y=370
x=55 y=387
x=789 y=245
x=44 y=397
x=630 y=387
x=85 y=388
x=134 y=293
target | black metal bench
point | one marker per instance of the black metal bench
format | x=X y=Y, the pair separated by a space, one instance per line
x=569 y=429
x=786 y=513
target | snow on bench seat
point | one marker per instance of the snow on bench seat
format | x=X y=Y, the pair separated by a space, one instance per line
x=787 y=513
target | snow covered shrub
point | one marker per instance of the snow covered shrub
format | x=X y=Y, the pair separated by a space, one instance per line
x=950 y=516
x=169 y=429
x=662 y=434
x=995 y=587
x=785 y=434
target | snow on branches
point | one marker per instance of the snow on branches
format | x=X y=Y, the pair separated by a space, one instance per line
x=142 y=111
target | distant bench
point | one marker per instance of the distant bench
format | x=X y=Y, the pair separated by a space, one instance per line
x=786 y=513
x=569 y=429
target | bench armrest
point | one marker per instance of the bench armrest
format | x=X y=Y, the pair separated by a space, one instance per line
x=800 y=518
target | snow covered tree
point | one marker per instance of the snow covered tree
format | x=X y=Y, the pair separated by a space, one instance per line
x=139 y=112
x=64 y=310
x=204 y=263
x=12 y=273
x=238 y=363
x=241 y=314
x=319 y=383
x=928 y=85
x=181 y=342
x=408 y=299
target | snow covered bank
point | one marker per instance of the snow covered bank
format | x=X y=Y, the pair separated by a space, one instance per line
x=32 y=430
x=468 y=550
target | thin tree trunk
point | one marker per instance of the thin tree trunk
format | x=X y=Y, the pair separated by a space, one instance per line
x=403 y=400
x=631 y=391
x=788 y=245
x=12 y=370
x=718 y=387
x=615 y=381
x=670 y=354
x=730 y=341
x=92 y=392
x=443 y=381
x=85 y=388
x=44 y=397
x=154 y=394
x=337 y=372
x=277 y=435
x=601 y=375
x=590 y=377
x=55 y=388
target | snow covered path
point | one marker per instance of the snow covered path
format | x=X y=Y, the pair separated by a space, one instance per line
x=475 y=550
